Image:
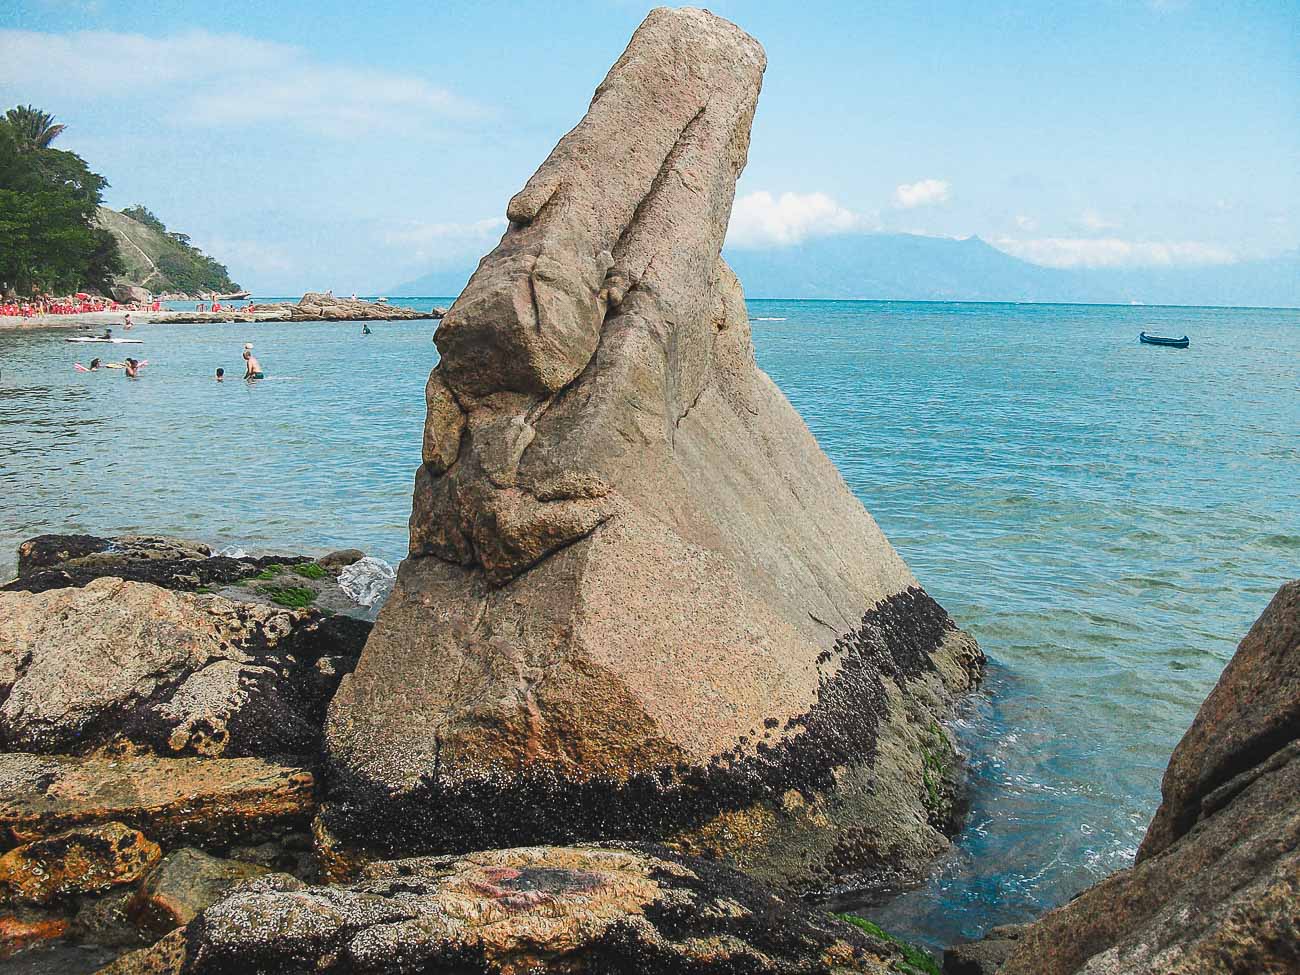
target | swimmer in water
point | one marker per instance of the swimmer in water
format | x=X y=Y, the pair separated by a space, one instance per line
x=132 y=369
x=221 y=375
x=94 y=364
x=252 y=368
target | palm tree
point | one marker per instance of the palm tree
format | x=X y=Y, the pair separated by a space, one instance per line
x=32 y=128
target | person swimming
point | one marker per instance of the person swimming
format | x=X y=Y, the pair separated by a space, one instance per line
x=132 y=367
x=365 y=329
x=252 y=368
x=221 y=375
x=94 y=364
x=108 y=334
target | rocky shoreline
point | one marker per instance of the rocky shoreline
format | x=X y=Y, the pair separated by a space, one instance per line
x=162 y=777
x=313 y=307
x=649 y=681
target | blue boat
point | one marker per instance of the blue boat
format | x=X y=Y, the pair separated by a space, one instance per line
x=1181 y=343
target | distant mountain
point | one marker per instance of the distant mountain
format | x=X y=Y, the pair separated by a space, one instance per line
x=436 y=284
x=909 y=267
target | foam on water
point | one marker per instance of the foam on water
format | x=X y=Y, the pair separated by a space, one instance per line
x=1107 y=518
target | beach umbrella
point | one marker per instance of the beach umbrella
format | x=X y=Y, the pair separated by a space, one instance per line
x=82 y=294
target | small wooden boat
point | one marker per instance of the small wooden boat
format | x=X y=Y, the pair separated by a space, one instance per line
x=1172 y=343
x=102 y=340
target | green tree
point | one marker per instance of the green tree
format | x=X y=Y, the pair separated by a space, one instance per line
x=48 y=198
x=32 y=128
x=142 y=214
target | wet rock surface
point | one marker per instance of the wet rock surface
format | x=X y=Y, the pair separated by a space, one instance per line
x=56 y=561
x=85 y=860
x=212 y=802
x=574 y=910
x=640 y=601
x=131 y=666
x=184 y=883
x=1216 y=885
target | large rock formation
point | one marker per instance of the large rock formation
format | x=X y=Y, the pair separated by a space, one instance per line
x=1216 y=885
x=640 y=602
x=511 y=912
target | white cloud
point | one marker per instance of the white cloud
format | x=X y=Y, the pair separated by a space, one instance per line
x=760 y=219
x=205 y=79
x=432 y=241
x=924 y=192
x=1093 y=220
x=1026 y=223
x=1113 y=252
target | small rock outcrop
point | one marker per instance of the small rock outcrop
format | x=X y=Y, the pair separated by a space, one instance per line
x=183 y=884
x=131 y=294
x=640 y=602
x=1216 y=885
x=80 y=861
x=58 y=561
x=510 y=912
x=212 y=802
x=127 y=665
x=316 y=306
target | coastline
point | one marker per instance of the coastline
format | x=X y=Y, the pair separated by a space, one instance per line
x=114 y=319
x=312 y=308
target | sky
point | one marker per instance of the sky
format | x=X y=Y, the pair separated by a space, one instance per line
x=356 y=146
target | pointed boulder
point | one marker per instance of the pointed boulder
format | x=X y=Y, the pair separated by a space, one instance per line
x=640 y=602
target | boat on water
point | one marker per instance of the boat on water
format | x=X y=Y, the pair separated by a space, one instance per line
x=233 y=296
x=104 y=341
x=1172 y=343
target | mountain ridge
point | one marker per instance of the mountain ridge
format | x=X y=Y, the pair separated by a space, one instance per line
x=912 y=267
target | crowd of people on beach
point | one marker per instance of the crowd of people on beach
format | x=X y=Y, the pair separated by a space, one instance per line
x=78 y=304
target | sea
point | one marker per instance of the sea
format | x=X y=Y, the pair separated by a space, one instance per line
x=1107 y=518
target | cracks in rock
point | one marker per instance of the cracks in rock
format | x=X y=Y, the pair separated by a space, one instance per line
x=532 y=294
x=666 y=168
x=830 y=626
x=551 y=552
x=694 y=403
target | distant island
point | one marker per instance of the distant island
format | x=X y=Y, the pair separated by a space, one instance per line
x=910 y=267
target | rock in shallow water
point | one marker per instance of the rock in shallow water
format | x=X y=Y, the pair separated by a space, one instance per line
x=1216 y=886
x=640 y=601
x=573 y=910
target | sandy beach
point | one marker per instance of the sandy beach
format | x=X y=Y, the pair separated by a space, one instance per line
x=114 y=319
x=314 y=307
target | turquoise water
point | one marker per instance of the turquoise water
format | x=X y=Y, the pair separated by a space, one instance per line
x=1107 y=518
